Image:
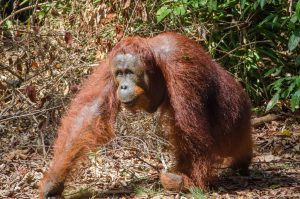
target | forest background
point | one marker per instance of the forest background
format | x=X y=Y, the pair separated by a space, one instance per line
x=48 y=47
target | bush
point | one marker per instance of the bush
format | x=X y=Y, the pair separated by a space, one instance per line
x=256 y=40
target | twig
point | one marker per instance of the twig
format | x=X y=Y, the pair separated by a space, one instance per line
x=241 y=46
x=117 y=191
x=21 y=10
x=131 y=16
x=10 y=71
x=34 y=11
x=290 y=2
x=263 y=119
x=153 y=166
x=28 y=114
x=274 y=161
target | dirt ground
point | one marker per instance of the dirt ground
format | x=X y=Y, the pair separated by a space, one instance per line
x=128 y=167
x=41 y=70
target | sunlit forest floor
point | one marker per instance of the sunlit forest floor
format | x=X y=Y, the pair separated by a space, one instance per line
x=128 y=167
x=41 y=70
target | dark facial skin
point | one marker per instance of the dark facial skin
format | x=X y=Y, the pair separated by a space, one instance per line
x=136 y=88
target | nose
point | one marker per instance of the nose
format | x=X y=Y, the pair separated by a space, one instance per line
x=124 y=87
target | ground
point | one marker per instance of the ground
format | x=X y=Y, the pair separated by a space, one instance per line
x=41 y=70
x=128 y=167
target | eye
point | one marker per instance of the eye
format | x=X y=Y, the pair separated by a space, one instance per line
x=118 y=73
x=128 y=72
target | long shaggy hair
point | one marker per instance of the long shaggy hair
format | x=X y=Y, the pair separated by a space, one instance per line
x=208 y=111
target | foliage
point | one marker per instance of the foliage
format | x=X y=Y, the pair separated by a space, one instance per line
x=21 y=12
x=257 y=40
x=197 y=193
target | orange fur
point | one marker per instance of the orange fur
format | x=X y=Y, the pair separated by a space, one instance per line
x=138 y=91
x=206 y=111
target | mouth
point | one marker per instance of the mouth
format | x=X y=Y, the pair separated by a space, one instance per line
x=130 y=103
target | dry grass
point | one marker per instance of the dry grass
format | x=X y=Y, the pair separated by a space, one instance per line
x=40 y=71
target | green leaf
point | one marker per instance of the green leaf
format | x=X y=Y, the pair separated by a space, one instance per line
x=288 y=91
x=274 y=21
x=278 y=71
x=277 y=84
x=162 y=13
x=297 y=61
x=297 y=81
x=41 y=14
x=195 y=4
x=297 y=32
x=267 y=19
x=262 y=3
x=203 y=2
x=295 y=101
x=9 y=24
x=294 y=18
x=294 y=40
x=272 y=102
x=180 y=10
x=212 y=5
x=269 y=72
x=243 y=2
x=286 y=132
x=298 y=10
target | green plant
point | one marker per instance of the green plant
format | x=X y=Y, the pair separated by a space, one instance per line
x=197 y=193
x=256 y=40
x=287 y=87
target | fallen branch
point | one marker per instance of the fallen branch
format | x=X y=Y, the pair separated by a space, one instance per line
x=89 y=193
x=3 y=67
x=263 y=119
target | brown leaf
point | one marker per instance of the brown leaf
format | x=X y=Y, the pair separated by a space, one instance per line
x=18 y=64
x=34 y=64
x=31 y=93
x=36 y=29
x=54 y=12
x=68 y=38
x=110 y=17
x=66 y=90
x=75 y=88
x=18 y=33
x=144 y=15
x=10 y=61
x=57 y=66
x=98 y=41
x=119 y=32
x=2 y=85
x=83 y=24
x=127 y=4
x=44 y=100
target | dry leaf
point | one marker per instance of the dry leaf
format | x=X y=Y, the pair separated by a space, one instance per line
x=34 y=64
x=31 y=93
x=68 y=38
x=18 y=64
x=110 y=17
x=18 y=33
x=127 y=4
x=267 y=158
x=119 y=32
x=75 y=88
x=144 y=15
x=57 y=66
x=66 y=91
x=2 y=85
x=44 y=100
x=36 y=29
